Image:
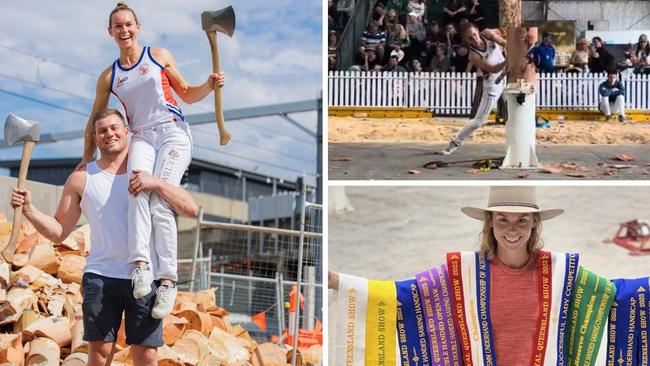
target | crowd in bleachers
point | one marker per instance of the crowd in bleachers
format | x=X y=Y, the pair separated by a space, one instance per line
x=404 y=35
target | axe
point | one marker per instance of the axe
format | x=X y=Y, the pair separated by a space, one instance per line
x=19 y=130
x=223 y=21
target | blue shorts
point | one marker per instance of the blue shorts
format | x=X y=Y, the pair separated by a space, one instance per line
x=105 y=299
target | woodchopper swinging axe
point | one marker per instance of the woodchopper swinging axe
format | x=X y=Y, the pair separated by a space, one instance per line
x=223 y=21
x=29 y=132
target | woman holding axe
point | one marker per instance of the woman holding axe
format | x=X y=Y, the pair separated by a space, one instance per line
x=142 y=79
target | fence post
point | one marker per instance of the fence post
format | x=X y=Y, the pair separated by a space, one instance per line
x=310 y=296
x=197 y=237
x=299 y=275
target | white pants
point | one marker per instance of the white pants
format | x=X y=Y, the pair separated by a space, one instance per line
x=617 y=107
x=489 y=97
x=164 y=151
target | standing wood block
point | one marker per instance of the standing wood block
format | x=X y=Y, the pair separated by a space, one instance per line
x=71 y=268
x=11 y=349
x=509 y=13
x=198 y=320
x=42 y=256
x=17 y=299
x=516 y=54
x=56 y=328
x=43 y=352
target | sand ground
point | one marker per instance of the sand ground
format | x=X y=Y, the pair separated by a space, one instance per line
x=440 y=130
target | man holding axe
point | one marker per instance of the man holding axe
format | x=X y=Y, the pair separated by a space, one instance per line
x=100 y=191
x=142 y=79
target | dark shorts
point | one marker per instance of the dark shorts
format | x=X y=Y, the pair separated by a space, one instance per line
x=105 y=299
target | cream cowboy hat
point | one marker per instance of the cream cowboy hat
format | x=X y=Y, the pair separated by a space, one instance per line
x=511 y=199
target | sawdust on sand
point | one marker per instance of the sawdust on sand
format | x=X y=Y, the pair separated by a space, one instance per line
x=440 y=130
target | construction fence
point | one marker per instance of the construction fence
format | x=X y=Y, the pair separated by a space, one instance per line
x=254 y=269
x=451 y=93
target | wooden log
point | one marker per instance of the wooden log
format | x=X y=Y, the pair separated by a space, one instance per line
x=46 y=280
x=173 y=328
x=76 y=359
x=203 y=299
x=82 y=236
x=17 y=299
x=5 y=275
x=217 y=322
x=123 y=356
x=30 y=273
x=42 y=256
x=509 y=13
x=272 y=355
x=29 y=241
x=121 y=335
x=29 y=316
x=77 y=343
x=169 y=357
x=56 y=328
x=43 y=352
x=237 y=348
x=71 y=268
x=56 y=303
x=197 y=320
x=196 y=346
x=11 y=349
x=311 y=356
x=217 y=311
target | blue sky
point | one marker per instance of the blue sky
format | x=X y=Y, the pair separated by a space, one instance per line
x=54 y=51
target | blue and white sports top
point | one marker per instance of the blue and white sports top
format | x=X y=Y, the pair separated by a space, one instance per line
x=145 y=93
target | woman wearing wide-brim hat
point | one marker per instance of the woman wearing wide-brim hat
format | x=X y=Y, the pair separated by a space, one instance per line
x=511 y=241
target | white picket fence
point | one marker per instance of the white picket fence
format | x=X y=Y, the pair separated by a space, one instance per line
x=451 y=93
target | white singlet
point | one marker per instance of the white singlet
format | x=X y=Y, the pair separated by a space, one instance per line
x=105 y=203
x=145 y=93
x=492 y=54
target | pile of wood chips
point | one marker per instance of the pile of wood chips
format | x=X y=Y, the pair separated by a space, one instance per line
x=41 y=314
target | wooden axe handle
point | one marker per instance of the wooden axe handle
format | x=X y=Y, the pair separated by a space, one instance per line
x=9 y=248
x=218 y=107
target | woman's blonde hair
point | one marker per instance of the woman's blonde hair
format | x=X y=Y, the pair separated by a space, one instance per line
x=119 y=7
x=489 y=242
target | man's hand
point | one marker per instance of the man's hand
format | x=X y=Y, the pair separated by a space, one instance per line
x=21 y=197
x=141 y=181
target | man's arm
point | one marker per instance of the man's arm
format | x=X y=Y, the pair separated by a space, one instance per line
x=55 y=228
x=178 y=198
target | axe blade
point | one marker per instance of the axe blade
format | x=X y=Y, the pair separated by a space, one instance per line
x=222 y=20
x=18 y=129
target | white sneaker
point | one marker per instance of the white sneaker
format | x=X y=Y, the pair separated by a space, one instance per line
x=453 y=146
x=141 y=280
x=165 y=299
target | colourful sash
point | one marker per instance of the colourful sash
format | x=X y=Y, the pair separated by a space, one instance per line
x=627 y=335
x=351 y=320
x=433 y=286
x=590 y=304
x=411 y=330
x=470 y=277
x=381 y=323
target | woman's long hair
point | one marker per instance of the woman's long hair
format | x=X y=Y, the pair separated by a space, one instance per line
x=489 y=242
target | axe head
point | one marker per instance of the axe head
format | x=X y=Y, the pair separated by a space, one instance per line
x=19 y=129
x=222 y=20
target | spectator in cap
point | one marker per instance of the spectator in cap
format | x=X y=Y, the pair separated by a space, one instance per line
x=599 y=59
x=612 y=97
x=544 y=54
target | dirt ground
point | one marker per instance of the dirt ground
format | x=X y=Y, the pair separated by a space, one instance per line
x=440 y=130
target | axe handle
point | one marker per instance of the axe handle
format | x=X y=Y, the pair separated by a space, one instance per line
x=218 y=107
x=9 y=248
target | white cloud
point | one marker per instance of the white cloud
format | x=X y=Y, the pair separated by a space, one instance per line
x=274 y=57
